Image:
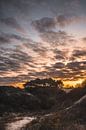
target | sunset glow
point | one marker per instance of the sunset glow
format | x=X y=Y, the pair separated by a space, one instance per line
x=18 y=85
x=72 y=83
x=42 y=40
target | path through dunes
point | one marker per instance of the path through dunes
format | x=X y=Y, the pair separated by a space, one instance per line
x=19 y=123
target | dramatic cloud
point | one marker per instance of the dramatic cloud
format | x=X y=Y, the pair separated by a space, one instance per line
x=75 y=66
x=66 y=20
x=56 y=38
x=79 y=53
x=46 y=24
x=4 y=39
x=12 y=22
x=11 y=39
x=59 y=55
x=42 y=38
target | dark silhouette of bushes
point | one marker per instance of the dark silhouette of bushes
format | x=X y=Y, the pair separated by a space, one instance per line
x=44 y=83
x=17 y=100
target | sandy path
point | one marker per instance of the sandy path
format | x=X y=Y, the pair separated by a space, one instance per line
x=20 y=123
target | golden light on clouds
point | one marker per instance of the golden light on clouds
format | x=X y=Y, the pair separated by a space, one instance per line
x=45 y=44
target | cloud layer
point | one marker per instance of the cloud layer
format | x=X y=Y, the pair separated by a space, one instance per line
x=33 y=59
x=42 y=38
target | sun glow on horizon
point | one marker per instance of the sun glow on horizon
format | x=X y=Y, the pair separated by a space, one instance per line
x=68 y=83
x=18 y=85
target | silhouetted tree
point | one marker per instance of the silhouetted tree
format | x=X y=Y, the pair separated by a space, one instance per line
x=47 y=82
x=59 y=83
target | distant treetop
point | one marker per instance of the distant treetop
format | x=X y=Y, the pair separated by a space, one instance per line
x=47 y=82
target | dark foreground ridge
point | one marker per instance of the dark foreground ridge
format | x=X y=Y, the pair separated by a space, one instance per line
x=53 y=107
x=16 y=100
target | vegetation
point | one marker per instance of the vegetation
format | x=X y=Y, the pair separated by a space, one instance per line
x=16 y=100
x=44 y=83
x=55 y=109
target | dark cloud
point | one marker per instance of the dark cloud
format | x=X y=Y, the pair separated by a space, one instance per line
x=79 y=53
x=59 y=65
x=59 y=55
x=56 y=74
x=7 y=64
x=17 y=37
x=62 y=20
x=10 y=80
x=20 y=56
x=12 y=22
x=50 y=72
x=65 y=20
x=47 y=24
x=4 y=39
x=44 y=24
x=17 y=60
x=56 y=38
x=37 y=48
x=70 y=71
x=41 y=74
x=76 y=66
x=14 y=61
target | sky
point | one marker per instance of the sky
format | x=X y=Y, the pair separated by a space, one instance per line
x=42 y=39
